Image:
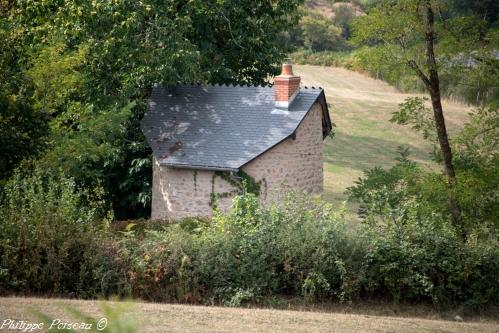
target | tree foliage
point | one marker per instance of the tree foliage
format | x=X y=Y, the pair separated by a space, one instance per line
x=466 y=35
x=435 y=39
x=23 y=130
x=90 y=65
x=408 y=187
x=407 y=31
x=321 y=34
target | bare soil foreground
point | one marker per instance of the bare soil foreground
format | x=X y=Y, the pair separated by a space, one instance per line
x=154 y=317
x=361 y=107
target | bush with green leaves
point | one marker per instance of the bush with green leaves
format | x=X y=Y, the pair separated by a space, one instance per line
x=159 y=263
x=426 y=260
x=303 y=248
x=382 y=193
x=248 y=254
x=50 y=241
x=416 y=255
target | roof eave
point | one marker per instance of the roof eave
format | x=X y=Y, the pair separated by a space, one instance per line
x=198 y=167
x=327 y=125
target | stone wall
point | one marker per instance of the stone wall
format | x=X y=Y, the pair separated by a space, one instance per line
x=178 y=193
x=293 y=164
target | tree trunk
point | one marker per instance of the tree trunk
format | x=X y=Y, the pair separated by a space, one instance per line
x=433 y=85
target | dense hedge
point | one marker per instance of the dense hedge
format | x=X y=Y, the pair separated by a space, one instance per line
x=51 y=244
x=48 y=239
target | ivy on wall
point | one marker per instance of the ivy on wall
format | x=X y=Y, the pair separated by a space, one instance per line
x=195 y=178
x=242 y=182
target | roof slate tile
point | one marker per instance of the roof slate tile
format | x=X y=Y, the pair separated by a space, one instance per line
x=219 y=127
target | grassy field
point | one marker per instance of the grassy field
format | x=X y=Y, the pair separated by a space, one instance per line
x=152 y=317
x=361 y=109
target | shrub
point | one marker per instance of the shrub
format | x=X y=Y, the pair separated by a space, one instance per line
x=407 y=189
x=250 y=253
x=414 y=253
x=426 y=261
x=301 y=247
x=48 y=236
x=304 y=248
x=158 y=264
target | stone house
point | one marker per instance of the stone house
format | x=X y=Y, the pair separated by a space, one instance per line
x=207 y=139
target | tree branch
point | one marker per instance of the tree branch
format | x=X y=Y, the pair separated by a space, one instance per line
x=230 y=30
x=412 y=64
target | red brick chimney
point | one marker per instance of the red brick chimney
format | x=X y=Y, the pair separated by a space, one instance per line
x=286 y=86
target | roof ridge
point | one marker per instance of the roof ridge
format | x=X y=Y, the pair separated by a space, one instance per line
x=234 y=85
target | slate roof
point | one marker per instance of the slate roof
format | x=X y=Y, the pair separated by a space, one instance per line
x=221 y=127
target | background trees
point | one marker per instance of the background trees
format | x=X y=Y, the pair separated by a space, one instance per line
x=405 y=30
x=319 y=34
x=324 y=26
x=429 y=38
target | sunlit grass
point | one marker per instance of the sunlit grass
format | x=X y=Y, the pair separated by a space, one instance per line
x=361 y=108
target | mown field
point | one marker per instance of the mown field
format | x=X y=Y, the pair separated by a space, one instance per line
x=361 y=109
x=153 y=317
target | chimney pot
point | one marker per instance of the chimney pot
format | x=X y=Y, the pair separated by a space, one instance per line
x=287 y=69
x=286 y=86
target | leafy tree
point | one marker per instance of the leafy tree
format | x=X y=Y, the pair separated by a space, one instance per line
x=23 y=131
x=321 y=34
x=132 y=45
x=477 y=159
x=91 y=65
x=55 y=76
x=411 y=33
x=343 y=15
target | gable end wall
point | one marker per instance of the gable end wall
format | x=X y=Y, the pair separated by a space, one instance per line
x=294 y=163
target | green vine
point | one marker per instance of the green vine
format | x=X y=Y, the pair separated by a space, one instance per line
x=244 y=183
x=195 y=176
x=264 y=182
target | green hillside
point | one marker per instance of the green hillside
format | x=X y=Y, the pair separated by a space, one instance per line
x=361 y=108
